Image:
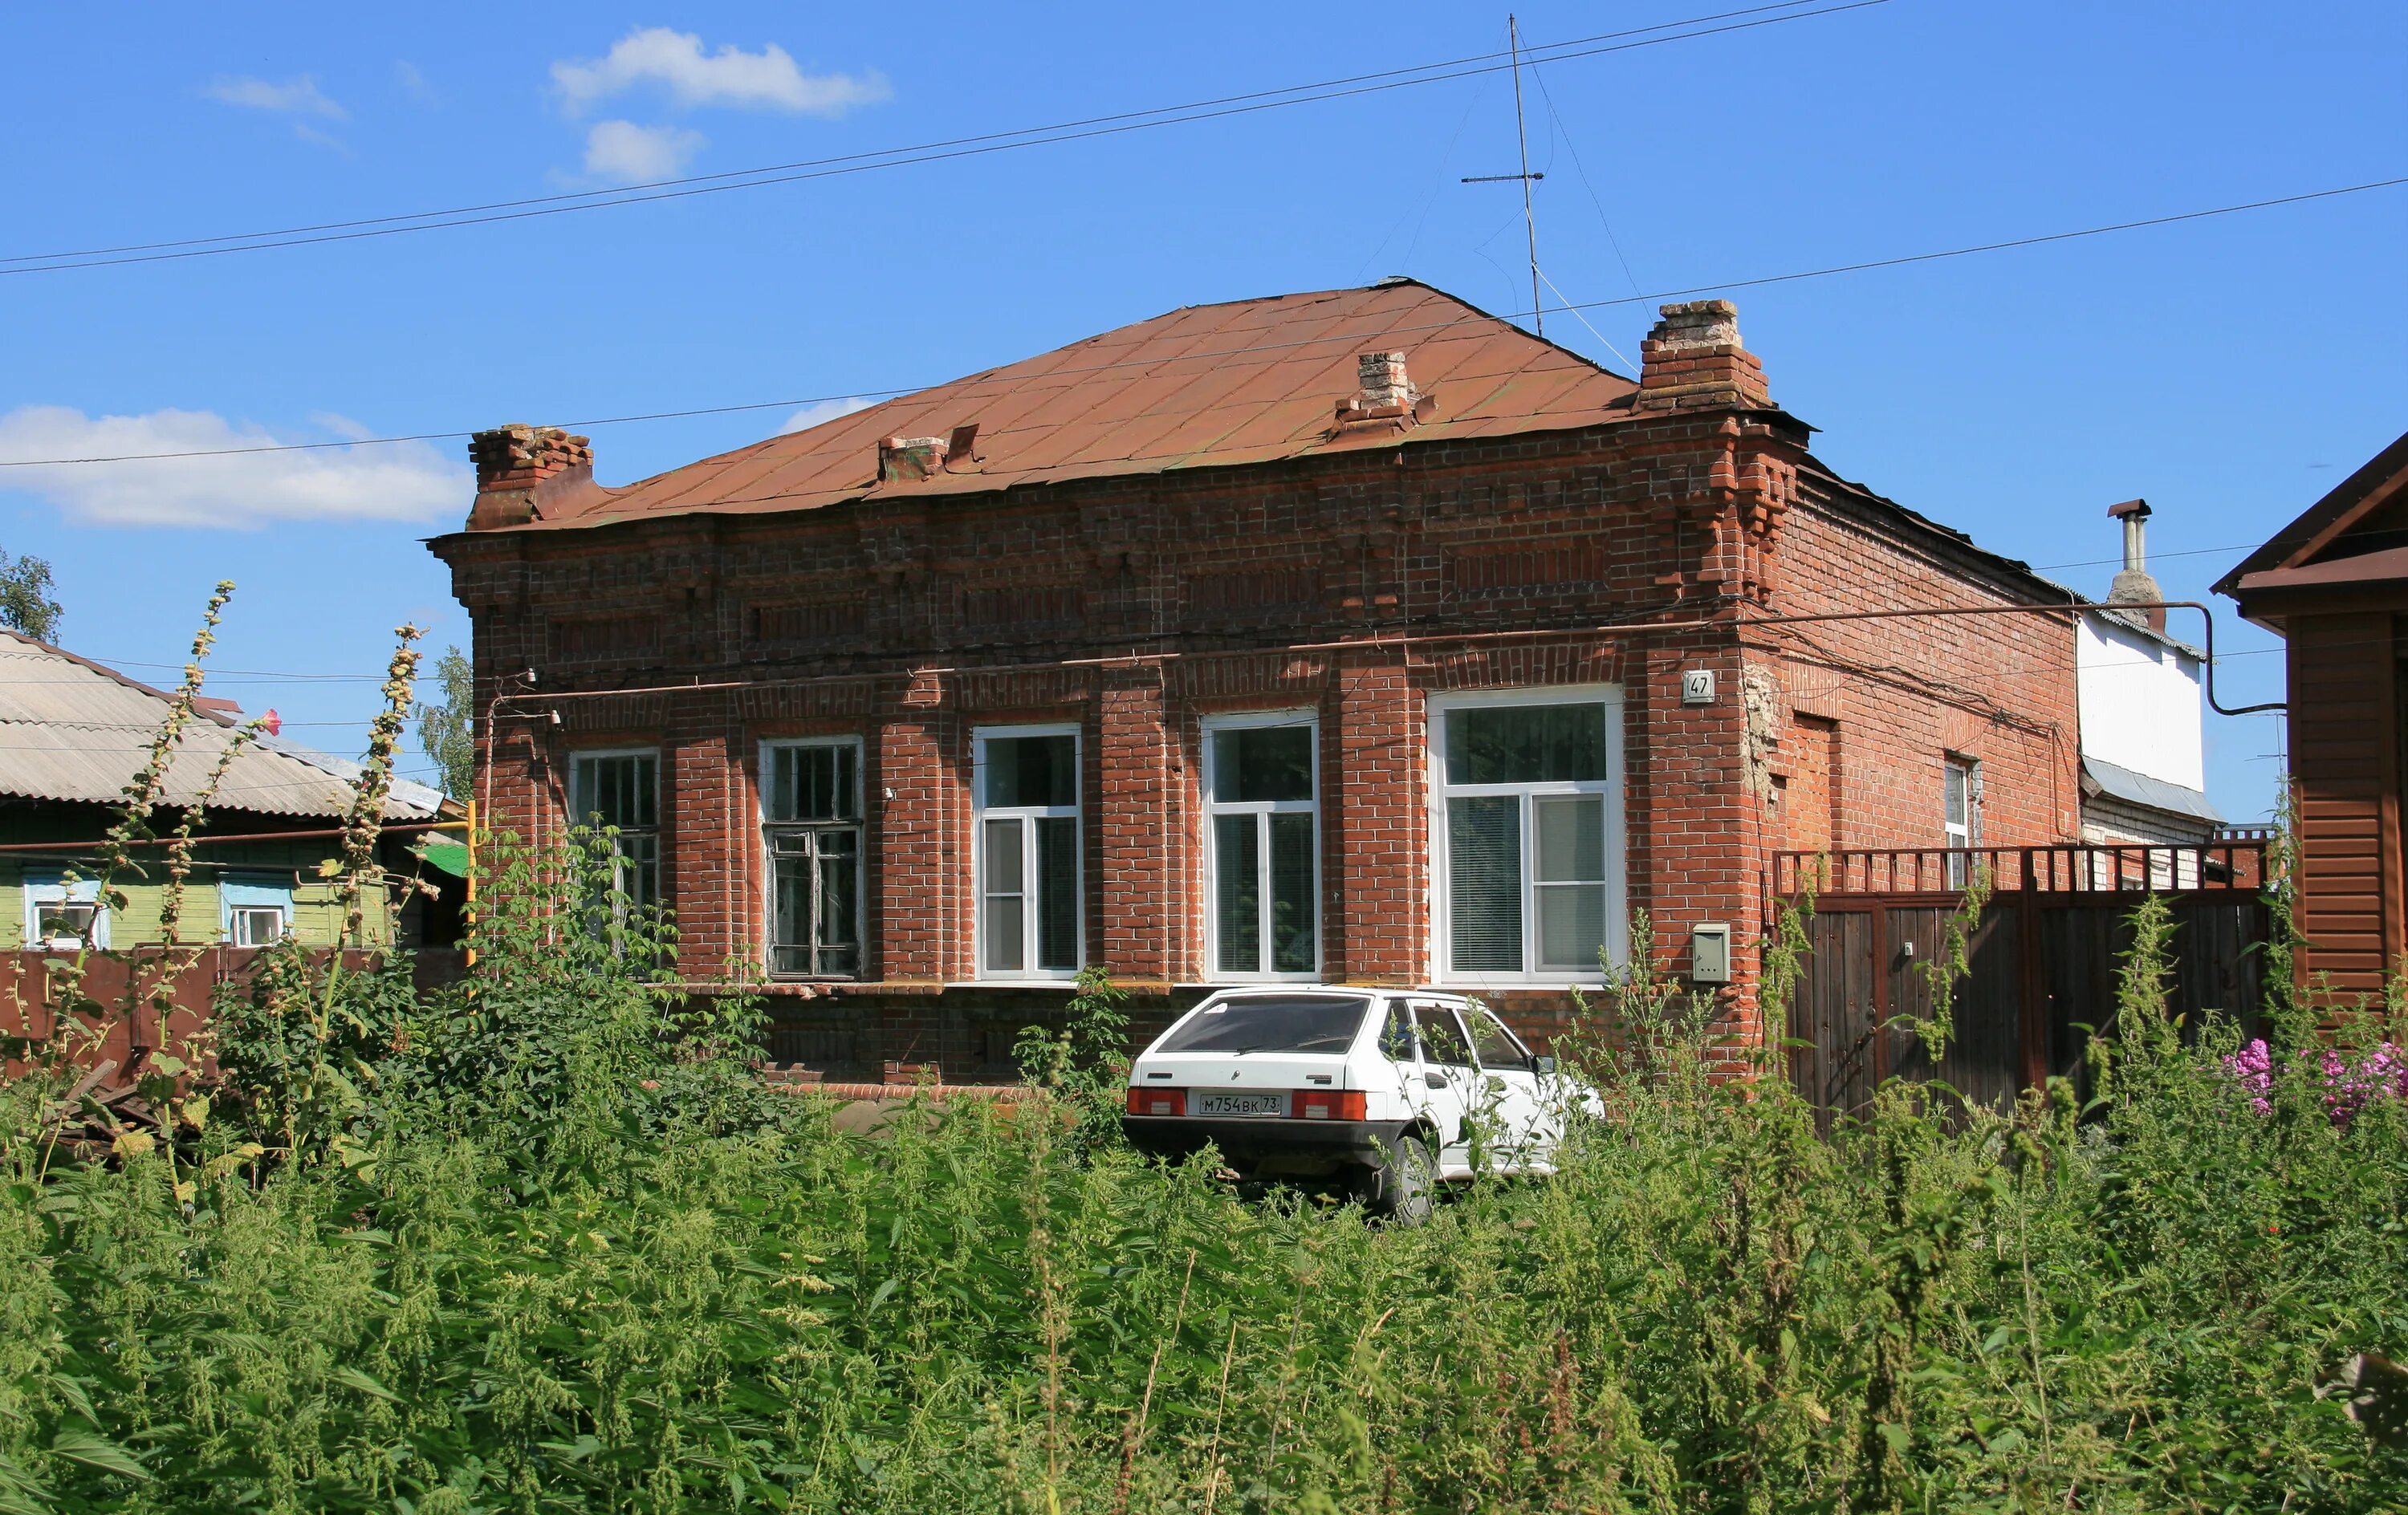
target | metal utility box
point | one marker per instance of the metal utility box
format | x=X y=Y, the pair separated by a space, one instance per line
x=1710 y=953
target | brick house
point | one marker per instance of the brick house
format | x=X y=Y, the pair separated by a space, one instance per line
x=1354 y=636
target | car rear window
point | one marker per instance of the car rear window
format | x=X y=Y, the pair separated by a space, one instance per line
x=1273 y=1024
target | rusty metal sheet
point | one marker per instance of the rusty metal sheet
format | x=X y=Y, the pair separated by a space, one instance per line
x=1245 y=382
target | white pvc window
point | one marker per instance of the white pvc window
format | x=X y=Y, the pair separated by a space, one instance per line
x=1024 y=783
x=1527 y=835
x=255 y=912
x=1960 y=800
x=621 y=790
x=1263 y=903
x=59 y=917
x=812 y=827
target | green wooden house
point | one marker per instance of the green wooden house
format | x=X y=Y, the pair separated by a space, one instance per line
x=73 y=734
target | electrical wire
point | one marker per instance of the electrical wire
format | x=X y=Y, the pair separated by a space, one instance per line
x=1582 y=169
x=2187 y=552
x=1382 y=334
x=498 y=211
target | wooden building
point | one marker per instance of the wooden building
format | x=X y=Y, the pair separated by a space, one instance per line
x=2334 y=584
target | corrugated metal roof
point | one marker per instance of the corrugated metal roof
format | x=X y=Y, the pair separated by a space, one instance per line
x=1206 y=386
x=2140 y=789
x=73 y=730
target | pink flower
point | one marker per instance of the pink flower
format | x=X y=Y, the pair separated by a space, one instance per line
x=2381 y=1073
x=2253 y=1070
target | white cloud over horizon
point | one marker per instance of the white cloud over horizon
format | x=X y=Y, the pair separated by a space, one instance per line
x=242 y=491
x=824 y=412
x=296 y=97
x=676 y=62
x=629 y=154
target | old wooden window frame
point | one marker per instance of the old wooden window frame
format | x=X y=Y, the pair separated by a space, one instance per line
x=789 y=839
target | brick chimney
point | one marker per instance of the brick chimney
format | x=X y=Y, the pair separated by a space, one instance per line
x=2135 y=584
x=1693 y=361
x=1383 y=381
x=902 y=460
x=523 y=469
x=1384 y=399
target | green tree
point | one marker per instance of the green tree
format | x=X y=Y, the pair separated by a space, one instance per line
x=25 y=603
x=443 y=725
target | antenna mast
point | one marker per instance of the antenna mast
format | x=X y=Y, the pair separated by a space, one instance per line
x=1522 y=136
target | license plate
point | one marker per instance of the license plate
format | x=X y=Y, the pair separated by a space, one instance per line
x=1258 y=1104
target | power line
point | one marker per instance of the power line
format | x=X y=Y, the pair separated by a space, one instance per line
x=1382 y=334
x=2187 y=552
x=969 y=146
x=855 y=157
x=2000 y=247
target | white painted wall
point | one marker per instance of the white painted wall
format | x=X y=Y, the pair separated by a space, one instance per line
x=2139 y=702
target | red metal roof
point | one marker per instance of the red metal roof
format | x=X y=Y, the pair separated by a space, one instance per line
x=1206 y=386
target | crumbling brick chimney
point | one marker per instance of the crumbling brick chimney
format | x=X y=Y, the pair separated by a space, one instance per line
x=1383 y=398
x=903 y=460
x=1383 y=381
x=523 y=469
x=1693 y=361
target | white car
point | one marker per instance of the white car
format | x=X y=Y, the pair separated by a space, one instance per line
x=1386 y=1093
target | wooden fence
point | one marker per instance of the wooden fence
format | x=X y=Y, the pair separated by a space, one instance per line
x=2041 y=961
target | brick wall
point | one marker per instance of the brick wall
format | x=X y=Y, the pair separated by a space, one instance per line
x=1151 y=601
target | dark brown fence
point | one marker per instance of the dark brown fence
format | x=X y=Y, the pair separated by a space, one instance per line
x=2041 y=961
x=129 y=1026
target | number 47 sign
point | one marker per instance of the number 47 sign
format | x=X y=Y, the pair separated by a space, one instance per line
x=1696 y=686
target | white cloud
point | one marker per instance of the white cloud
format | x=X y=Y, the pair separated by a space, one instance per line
x=623 y=150
x=402 y=481
x=413 y=82
x=675 y=61
x=298 y=96
x=341 y=425
x=822 y=412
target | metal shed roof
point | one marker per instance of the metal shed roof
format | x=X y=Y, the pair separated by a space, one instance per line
x=73 y=730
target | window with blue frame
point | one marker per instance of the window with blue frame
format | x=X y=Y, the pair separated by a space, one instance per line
x=61 y=915
x=255 y=910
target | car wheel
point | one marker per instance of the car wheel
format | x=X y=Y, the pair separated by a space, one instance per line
x=1401 y=1188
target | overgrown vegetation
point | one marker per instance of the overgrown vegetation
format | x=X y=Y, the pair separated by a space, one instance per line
x=25 y=601
x=545 y=1242
x=443 y=724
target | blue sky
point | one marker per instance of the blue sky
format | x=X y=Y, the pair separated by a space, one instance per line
x=2230 y=370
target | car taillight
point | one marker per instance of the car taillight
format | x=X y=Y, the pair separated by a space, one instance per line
x=1157 y=1102
x=1327 y=1105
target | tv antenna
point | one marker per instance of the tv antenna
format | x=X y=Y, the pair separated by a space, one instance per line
x=1521 y=135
